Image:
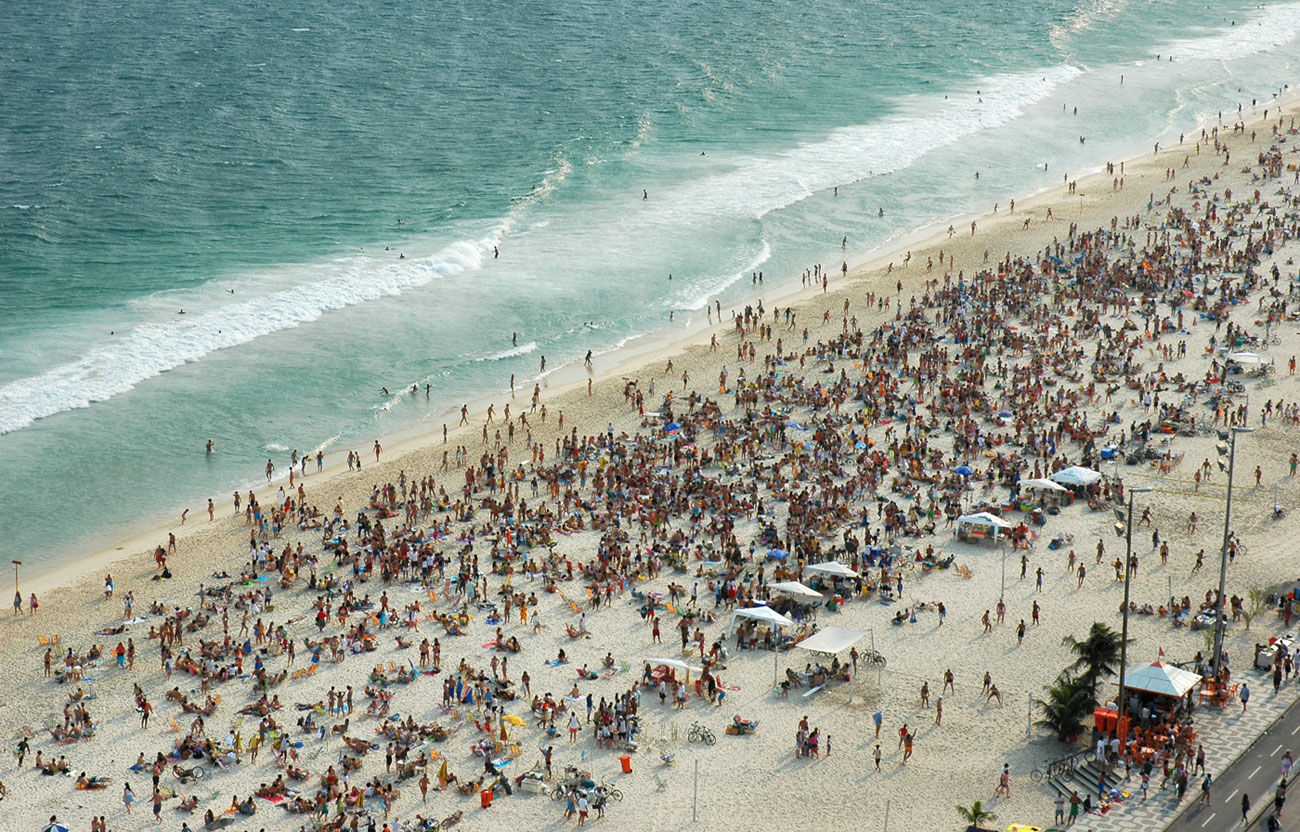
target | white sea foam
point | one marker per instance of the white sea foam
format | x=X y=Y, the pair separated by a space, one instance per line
x=1272 y=27
x=758 y=185
x=513 y=352
x=109 y=369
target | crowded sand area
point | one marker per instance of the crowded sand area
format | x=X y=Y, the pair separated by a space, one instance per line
x=993 y=316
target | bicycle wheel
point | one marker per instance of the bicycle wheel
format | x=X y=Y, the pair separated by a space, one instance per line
x=1089 y=757
x=614 y=794
x=694 y=735
x=879 y=660
x=709 y=739
x=557 y=793
x=1036 y=776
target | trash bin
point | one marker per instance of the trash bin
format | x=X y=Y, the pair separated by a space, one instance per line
x=626 y=761
x=485 y=798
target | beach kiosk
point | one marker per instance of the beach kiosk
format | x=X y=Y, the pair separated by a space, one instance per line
x=1157 y=679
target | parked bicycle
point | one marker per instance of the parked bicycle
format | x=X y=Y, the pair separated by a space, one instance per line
x=699 y=733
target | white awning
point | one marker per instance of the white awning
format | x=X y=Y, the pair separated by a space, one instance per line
x=795 y=590
x=1245 y=358
x=1160 y=678
x=764 y=614
x=832 y=640
x=833 y=568
x=1076 y=475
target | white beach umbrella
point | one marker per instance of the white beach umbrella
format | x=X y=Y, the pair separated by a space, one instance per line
x=1076 y=475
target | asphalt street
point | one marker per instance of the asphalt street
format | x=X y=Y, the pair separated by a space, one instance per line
x=1256 y=773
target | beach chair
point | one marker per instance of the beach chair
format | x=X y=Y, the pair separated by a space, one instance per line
x=175 y=727
x=392 y=668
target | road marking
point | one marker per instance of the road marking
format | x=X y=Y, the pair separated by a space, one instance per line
x=1251 y=776
x=1207 y=820
x=1229 y=798
x=1275 y=750
x=1296 y=731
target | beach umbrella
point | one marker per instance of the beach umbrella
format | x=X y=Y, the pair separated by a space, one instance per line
x=963 y=470
x=56 y=826
x=1040 y=483
x=672 y=426
x=777 y=554
x=1076 y=475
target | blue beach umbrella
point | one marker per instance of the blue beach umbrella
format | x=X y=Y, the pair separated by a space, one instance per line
x=964 y=470
x=672 y=426
x=777 y=554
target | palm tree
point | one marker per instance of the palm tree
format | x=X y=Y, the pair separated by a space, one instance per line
x=1097 y=657
x=1065 y=707
x=975 y=814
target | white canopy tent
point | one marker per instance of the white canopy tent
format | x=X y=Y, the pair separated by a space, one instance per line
x=766 y=615
x=795 y=590
x=676 y=664
x=1040 y=484
x=984 y=520
x=770 y=617
x=1076 y=475
x=833 y=568
x=1245 y=358
x=834 y=640
x=1160 y=678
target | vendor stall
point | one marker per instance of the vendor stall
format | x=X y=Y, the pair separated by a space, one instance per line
x=980 y=526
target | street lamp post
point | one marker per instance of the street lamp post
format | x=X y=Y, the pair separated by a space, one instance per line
x=1220 y=622
x=1128 y=572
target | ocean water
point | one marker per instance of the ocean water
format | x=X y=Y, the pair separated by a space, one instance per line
x=322 y=189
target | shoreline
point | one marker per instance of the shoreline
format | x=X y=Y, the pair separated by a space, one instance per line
x=102 y=551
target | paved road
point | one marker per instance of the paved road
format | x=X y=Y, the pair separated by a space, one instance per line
x=1256 y=772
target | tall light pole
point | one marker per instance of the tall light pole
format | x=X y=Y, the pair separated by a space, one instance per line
x=1128 y=572
x=1220 y=622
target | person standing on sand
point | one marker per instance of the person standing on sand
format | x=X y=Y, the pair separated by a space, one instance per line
x=128 y=797
x=879 y=718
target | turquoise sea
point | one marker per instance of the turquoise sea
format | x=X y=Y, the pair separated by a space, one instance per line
x=262 y=167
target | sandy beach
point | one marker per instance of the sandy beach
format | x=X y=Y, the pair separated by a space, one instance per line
x=742 y=780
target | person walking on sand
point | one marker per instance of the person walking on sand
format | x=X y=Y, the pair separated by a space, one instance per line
x=879 y=718
x=875 y=754
x=128 y=797
x=938 y=711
